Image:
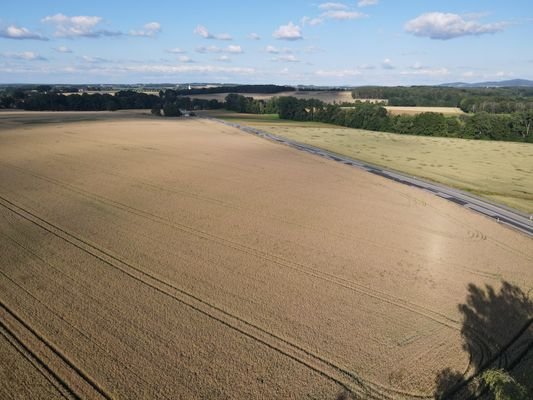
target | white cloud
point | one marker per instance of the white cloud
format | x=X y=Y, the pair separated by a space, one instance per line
x=93 y=60
x=223 y=58
x=272 y=49
x=77 y=26
x=337 y=73
x=277 y=50
x=286 y=58
x=311 y=21
x=342 y=15
x=232 y=49
x=176 y=50
x=20 y=33
x=149 y=30
x=333 y=6
x=24 y=55
x=185 y=59
x=312 y=49
x=202 y=31
x=288 y=32
x=63 y=49
x=443 y=26
x=427 y=71
x=176 y=69
x=503 y=74
x=387 y=64
x=254 y=36
x=365 y=3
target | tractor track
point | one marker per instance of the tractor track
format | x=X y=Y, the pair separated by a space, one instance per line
x=345 y=378
x=278 y=260
x=85 y=383
x=471 y=234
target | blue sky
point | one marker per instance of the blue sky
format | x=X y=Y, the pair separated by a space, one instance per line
x=359 y=42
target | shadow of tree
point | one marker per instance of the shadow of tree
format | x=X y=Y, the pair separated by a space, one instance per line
x=497 y=332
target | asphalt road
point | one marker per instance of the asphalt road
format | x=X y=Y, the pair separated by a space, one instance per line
x=499 y=213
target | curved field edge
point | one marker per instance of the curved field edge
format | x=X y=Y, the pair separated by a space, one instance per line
x=501 y=172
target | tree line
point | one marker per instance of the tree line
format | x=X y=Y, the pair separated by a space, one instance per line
x=516 y=126
x=512 y=126
x=267 y=89
x=470 y=100
x=32 y=100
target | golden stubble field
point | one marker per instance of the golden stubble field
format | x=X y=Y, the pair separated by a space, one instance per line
x=153 y=258
x=402 y=110
x=327 y=96
x=498 y=171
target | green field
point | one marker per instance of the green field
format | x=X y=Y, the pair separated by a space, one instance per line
x=499 y=171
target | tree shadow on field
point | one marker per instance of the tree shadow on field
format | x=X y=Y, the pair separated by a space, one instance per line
x=497 y=332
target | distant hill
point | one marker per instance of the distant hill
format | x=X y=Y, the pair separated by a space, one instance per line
x=508 y=83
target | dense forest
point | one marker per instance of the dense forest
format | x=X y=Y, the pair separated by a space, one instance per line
x=471 y=100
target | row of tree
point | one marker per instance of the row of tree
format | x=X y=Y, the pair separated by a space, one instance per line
x=513 y=126
x=54 y=101
x=267 y=89
x=517 y=126
x=491 y=100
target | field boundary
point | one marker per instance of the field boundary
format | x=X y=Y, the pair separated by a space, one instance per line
x=497 y=212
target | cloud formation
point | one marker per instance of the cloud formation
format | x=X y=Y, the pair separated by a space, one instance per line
x=185 y=59
x=444 y=26
x=202 y=31
x=63 y=49
x=149 y=30
x=340 y=73
x=311 y=21
x=232 y=49
x=20 y=33
x=93 y=60
x=254 y=36
x=176 y=50
x=387 y=64
x=78 y=26
x=288 y=32
x=342 y=15
x=427 y=71
x=333 y=6
x=25 y=55
x=286 y=58
x=366 y=3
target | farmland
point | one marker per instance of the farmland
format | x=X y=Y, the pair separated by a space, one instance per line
x=499 y=171
x=402 y=110
x=157 y=258
x=327 y=96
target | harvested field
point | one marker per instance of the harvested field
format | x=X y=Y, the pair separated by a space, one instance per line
x=326 y=96
x=400 y=110
x=157 y=258
x=499 y=171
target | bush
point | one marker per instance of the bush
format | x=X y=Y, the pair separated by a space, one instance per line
x=171 y=110
x=503 y=386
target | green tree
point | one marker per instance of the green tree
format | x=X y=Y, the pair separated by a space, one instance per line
x=503 y=386
x=171 y=110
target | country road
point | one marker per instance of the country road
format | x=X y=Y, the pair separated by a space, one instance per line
x=499 y=213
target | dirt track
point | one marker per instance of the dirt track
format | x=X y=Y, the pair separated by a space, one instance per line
x=183 y=259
